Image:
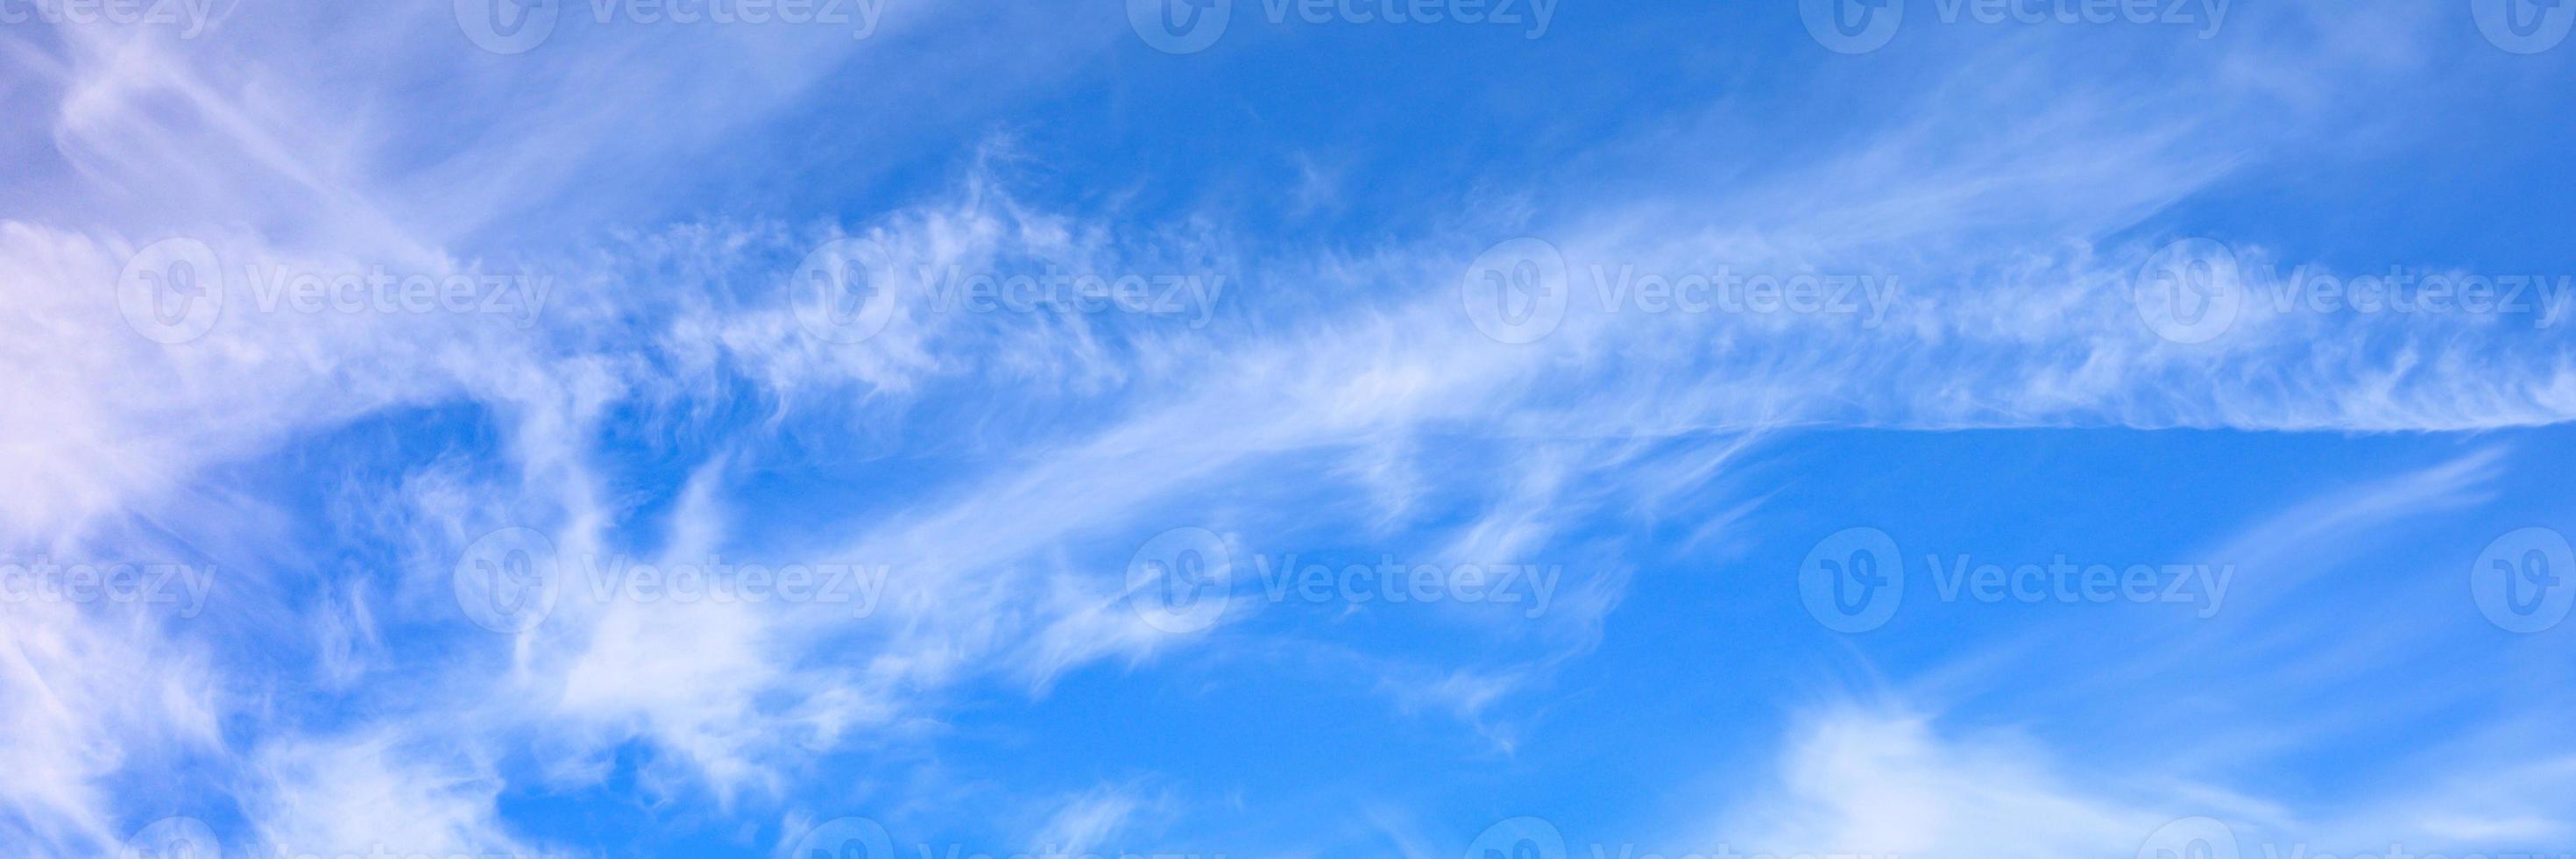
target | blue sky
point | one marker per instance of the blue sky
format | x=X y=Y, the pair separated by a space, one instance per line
x=1254 y=428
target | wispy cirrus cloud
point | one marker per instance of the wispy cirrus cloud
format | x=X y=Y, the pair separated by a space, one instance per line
x=668 y=396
